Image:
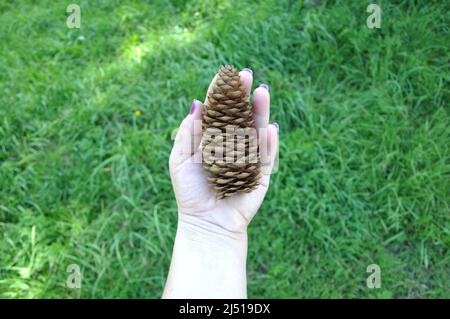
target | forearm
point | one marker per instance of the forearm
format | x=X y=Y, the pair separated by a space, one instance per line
x=207 y=262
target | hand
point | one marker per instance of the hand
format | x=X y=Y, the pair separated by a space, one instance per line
x=210 y=249
x=197 y=202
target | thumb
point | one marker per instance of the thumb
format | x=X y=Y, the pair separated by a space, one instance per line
x=188 y=136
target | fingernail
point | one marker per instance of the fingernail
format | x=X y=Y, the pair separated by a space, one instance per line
x=193 y=105
x=264 y=85
x=248 y=70
x=276 y=125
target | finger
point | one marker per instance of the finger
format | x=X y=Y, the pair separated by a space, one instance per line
x=261 y=113
x=269 y=158
x=261 y=106
x=188 y=136
x=210 y=87
x=247 y=79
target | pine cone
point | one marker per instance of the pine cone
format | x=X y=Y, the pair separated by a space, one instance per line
x=230 y=149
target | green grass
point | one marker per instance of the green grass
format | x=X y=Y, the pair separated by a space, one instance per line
x=364 y=156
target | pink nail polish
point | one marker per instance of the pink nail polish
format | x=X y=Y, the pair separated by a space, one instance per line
x=264 y=85
x=193 y=105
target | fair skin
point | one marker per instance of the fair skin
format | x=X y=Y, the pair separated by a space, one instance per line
x=210 y=250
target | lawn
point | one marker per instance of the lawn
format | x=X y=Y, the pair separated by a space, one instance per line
x=87 y=115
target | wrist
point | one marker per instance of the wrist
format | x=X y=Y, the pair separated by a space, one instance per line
x=224 y=221
x=207 y=262
x=203 y=230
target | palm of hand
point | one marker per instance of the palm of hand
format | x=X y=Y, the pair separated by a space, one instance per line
x=195 y=197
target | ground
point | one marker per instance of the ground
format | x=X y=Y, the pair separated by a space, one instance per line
x=87 y=116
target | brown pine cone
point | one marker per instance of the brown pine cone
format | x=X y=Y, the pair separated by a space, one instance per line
x=230 y=147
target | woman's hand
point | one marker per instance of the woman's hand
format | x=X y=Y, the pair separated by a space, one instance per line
x=196 y=199
x=210 y=250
